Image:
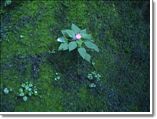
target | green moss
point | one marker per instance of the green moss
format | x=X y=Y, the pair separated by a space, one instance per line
x=77 y=13
x=91 y=102
x=36 y=35
x=49 y=98
x=83 y=94
x=122 y=37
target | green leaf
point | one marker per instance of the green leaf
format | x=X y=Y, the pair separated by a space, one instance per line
x=83 y=31
x=86 y=36
x=7 y=2
x=25 y=98
x=63 y=46
x=21 y=90
x=84 y=54
x=68 y=32
x=72 y=45
x=21 y=94
x=64 y=32
x=30 y=93
x=91 y=45
x=6 y=91
x=92 y=85
x=88 y=57
x=79 y=42
x=61 y=39
x=75 y=28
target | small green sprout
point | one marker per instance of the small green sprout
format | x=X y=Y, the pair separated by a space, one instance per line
x=93 y=75
x=7 y=90
x=57 y=76
x=27 y=90
x=92 y=85
x=93 y=63
x=25 y=98
x=52 y=51
x=90 y=76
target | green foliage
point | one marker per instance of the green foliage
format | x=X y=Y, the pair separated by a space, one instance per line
x=72 y=45
x=84 y=54
x=120 y=29
x=7 y=2
x=27 y=90
x=92 y=85
x=91 y=45
x=7 y=90
x=75 y=38
x=68 y=33
x=79 y=43
x=86 y=36
x=94 y=76
x=57 y=76
x=63 y=46
x=75 y=28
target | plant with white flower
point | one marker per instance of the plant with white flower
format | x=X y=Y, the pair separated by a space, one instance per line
x=75 y=38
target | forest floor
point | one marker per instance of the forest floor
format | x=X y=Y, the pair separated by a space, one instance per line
x=29 y=30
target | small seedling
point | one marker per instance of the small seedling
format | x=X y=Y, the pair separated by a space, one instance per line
x=7 y=90
x=52 y=51
x=57 y=76
x=94 y=76
x=92 y=85
x=27 y=90
x=93 y=63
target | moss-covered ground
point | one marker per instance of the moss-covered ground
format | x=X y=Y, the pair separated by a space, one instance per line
x=29 y=30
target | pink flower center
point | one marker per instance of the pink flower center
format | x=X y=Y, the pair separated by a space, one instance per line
x=78 y=36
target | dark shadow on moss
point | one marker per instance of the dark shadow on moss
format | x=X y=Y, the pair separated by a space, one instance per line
x=69 y=63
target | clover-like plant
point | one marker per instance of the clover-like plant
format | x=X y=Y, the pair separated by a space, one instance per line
x=75 y=38
x=7 y=90
x=27 y=90
x=93 y=77
x=57 y=76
